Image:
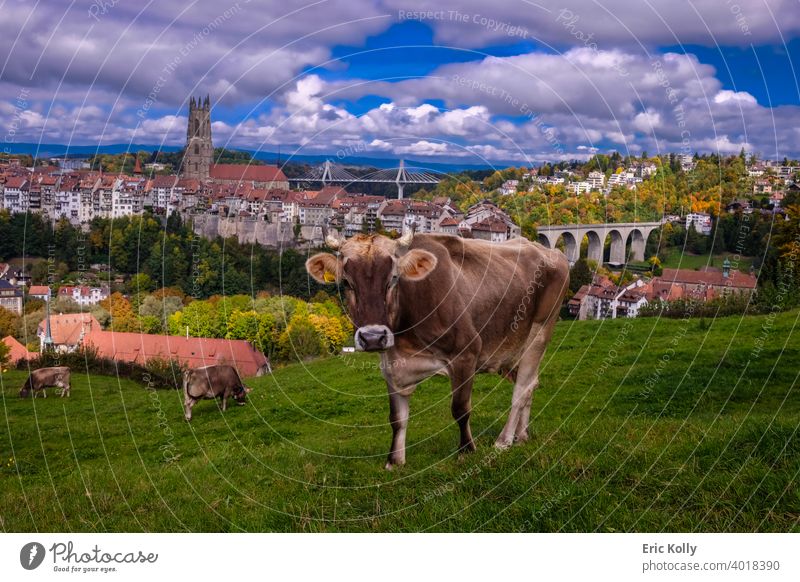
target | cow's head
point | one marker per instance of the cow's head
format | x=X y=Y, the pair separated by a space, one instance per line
x=240 y=394
x=369 y=268
x=25 y=391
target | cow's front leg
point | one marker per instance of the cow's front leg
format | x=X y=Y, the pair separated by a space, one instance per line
x=225 y=401
x=398 y=418
x=188 y=403
x=403 y=370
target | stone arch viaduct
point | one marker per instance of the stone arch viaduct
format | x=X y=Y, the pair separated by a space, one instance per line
x=620 y=232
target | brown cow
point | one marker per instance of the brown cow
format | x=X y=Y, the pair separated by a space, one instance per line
x=210 y=382
x=44 y=378
x=441 y=304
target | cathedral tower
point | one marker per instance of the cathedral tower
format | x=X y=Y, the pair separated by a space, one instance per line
x=199 y=149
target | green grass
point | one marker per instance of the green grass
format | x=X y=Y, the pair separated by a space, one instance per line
x=676 y=258
x=708 y=441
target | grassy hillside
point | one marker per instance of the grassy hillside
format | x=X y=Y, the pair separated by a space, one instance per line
x=640 y=425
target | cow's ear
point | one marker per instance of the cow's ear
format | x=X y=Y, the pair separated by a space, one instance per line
x=325 y=268
x=416 y=264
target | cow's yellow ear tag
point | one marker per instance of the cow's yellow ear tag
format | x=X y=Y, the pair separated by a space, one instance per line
x=329 y=277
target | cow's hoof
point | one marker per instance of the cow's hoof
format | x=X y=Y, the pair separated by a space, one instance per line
x=391 y=463
x=502 y=444
x=467 y=448
x=521 y=439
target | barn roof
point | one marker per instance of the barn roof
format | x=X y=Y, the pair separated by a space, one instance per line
x=194 y=352
x=17 y=351
x=245 y=172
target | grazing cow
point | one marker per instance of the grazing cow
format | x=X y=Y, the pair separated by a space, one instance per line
x=441 y=304
x=44 y=378
x=211 y=382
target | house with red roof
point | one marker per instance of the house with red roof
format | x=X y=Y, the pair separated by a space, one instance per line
x=265 y=176
x=39 y=292
x=193 y=352
x=17 y=351
x=67 y=330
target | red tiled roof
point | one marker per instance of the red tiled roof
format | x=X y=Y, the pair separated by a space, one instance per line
x=16 y=182
x=325 y=196
x=449 y=222
x=194 y=352
x=579 y=295
x=17 y=351
x=39 y=290
x=66 y=328
x=735 y=279
x=491 y=224
x=245 y=172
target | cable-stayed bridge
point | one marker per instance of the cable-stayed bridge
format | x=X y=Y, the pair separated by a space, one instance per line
x=331 y=173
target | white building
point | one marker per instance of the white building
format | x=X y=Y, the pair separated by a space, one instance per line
x=15 y=194
x=700 y=221
x=83 y=294
x=596 y=180
x=579 y=187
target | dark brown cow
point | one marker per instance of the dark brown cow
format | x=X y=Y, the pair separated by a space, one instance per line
x=212 y=382
x=44 y=378
x=440 y=304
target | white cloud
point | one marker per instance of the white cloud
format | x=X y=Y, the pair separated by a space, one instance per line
x=740 y=97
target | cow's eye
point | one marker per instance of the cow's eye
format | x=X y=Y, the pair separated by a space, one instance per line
x=346 y=284
x=393 y=281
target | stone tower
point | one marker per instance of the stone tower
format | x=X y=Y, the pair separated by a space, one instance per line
x=199 y=149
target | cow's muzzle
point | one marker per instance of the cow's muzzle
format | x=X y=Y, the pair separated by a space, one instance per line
x=374 y=338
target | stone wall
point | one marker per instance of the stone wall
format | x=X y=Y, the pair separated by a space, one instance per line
x=248 y=231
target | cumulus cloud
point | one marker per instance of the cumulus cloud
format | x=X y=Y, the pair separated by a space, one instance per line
x=609 y=24
x=123 y=75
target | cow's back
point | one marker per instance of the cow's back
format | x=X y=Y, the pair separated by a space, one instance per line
x=49 y=376
x=500 y=290
x=210 y=381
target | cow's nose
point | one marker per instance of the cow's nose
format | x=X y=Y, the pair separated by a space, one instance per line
x=373 y=338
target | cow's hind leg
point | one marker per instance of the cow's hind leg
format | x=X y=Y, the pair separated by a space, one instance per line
x=461 y=403
x=516 y=428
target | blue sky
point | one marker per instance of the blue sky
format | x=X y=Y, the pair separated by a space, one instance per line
x=506 y=82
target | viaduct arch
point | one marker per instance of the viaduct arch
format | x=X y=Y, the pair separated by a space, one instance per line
x=596 y=233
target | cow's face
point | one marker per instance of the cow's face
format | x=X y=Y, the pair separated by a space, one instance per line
x=24 y=392
x=368 y=269
x=240 y=395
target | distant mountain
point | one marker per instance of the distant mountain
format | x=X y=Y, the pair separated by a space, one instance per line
x=50 y=150
x=83 y=151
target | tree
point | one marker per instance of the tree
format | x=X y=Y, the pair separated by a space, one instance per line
x=4 y=351
x=123 y=317
x=243 y=325
x=655 y=266
x=300 y=341
x=200 y=317
x=579 y=275
x=141 y=283
x=8 y=322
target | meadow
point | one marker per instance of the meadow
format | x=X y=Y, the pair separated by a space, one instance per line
x=639 y=425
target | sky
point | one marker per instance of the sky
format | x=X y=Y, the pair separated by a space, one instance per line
x=476 y=82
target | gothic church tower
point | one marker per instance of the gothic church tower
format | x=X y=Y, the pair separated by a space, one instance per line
x=199 y=149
